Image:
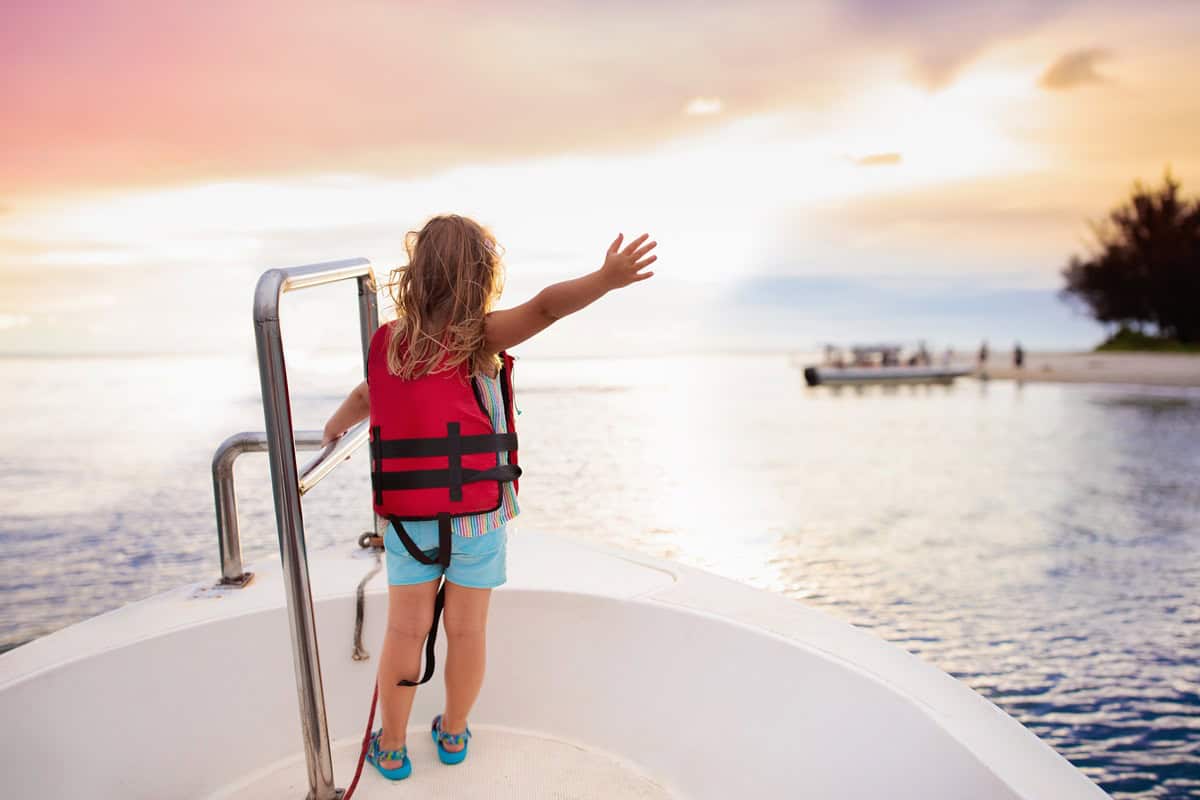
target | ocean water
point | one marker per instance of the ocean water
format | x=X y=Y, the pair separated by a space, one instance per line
x=1039 y=542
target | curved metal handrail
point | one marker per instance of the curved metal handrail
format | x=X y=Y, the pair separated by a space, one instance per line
x=229 y=540
x=274 y=282
x=229 y=537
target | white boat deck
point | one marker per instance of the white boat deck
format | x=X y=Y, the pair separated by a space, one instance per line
x=609 y=674
x=503 y=765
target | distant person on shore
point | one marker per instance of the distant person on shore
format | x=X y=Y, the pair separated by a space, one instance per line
x=439 y=379
x=1018 y=356
x=983 y=357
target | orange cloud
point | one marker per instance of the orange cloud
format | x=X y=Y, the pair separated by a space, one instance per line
x=1074 y=69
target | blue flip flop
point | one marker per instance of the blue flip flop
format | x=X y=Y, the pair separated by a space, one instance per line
x=375 y=755
x=440 y=737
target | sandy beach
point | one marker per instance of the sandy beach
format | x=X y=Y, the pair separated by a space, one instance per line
x=1154 y=369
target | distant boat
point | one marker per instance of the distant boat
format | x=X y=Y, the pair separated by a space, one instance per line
x=882 y=363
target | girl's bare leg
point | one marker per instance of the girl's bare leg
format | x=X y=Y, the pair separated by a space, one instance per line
x=465 y=618
x=410 y=613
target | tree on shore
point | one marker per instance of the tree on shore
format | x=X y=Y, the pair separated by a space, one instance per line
x=1143 y=269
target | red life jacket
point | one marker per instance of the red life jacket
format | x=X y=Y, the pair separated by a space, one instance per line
x=434 y=451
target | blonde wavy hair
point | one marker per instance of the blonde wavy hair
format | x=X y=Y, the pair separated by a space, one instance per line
x=453 y=276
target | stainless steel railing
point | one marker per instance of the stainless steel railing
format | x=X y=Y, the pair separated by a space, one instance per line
x=288 y=484
x=229 y=538
x=285 y=484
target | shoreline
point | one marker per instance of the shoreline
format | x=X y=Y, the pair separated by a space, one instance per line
x=1150 y=369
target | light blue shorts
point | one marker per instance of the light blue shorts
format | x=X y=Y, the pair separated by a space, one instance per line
x=477 y=562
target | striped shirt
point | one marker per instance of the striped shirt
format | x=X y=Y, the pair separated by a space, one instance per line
x=479 y=524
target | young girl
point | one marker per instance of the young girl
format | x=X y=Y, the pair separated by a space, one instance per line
x=452 y=481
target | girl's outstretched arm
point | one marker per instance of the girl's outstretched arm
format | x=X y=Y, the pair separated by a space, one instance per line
x=504 y=329
x=353 y=409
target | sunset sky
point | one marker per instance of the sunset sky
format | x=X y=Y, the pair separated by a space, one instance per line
x=813 y=171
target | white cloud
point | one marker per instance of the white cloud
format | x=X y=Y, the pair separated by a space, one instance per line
x=703 y=106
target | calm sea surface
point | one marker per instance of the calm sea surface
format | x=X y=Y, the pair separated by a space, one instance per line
x=1039 y=542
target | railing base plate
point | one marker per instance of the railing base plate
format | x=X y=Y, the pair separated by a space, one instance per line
x=240 y=582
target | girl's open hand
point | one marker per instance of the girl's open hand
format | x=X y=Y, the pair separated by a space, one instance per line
x=623 y=267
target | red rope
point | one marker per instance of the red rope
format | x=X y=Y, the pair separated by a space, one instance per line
x=362 y=756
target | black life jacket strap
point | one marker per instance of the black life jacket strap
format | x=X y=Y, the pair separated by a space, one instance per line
x=376 y=465
x=506 y=396
x=440 y=556
x=441 y=478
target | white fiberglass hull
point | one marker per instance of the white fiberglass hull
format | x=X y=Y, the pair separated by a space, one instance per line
x=631 y=677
